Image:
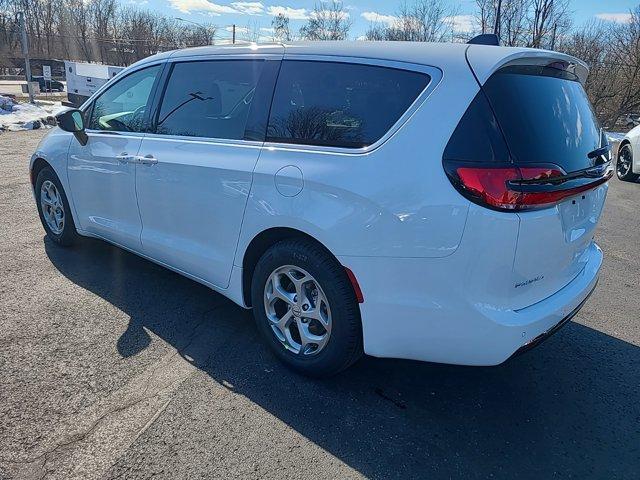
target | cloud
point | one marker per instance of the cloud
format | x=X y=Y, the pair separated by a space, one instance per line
x=460 y=23
x=379 y=18
x=292 y=13
x=615 y=17
x=188 y=6
x=248 y=8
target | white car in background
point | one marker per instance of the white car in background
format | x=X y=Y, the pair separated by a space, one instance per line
x=628 y=158
x=433 y=202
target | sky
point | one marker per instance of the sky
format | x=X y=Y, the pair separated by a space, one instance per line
x=257 y=15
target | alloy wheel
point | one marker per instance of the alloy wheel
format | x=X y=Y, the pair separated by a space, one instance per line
x=52 y=207
x=297 y=310
x=624 y=162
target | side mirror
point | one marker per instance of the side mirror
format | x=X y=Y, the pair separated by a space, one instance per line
x=72 y=121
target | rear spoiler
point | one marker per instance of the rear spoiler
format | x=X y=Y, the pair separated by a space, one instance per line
x=485 y=60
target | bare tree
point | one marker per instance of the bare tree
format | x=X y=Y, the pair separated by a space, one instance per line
x=624 y=62
x=422 y=21
x=530 y=23
x=79 y=14
x=102 y=13
x=328 y=21
x=547 y=19
x=485 y=15
x=509 y=19
x=612 y=51
x=280 y=25
x=252 y=31
x=92 y=30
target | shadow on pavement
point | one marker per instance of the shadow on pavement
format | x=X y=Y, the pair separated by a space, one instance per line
x=567 y=408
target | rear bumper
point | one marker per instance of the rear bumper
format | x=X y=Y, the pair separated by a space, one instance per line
x=544 y=335
x=432 y=313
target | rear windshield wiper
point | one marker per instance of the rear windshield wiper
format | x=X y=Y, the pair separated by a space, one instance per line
x=601 y=152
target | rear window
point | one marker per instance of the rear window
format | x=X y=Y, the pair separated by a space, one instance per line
x=339 y=104
x=545 y=115
x=528 y=114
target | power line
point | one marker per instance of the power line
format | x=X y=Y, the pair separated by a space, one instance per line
x=107 y=39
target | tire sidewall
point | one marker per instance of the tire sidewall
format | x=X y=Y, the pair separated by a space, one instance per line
x=68 y=232
x=332 y=357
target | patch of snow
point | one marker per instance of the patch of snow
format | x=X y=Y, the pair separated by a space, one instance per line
x=25 y=116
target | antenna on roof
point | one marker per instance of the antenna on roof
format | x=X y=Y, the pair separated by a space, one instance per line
x=485 y=39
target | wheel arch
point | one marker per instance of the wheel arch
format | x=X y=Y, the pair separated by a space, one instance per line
x=38 y=164
x=626 y=142
x=262 y=242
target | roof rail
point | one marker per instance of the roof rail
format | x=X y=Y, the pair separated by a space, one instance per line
x=485 y=39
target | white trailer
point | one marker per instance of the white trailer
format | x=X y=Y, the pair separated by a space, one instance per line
x=83 y=79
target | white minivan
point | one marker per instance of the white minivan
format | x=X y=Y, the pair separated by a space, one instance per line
x=425 y=201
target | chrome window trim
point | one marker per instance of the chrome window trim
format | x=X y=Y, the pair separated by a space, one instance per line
x=114 y=133
x=225 y=56
x=434 y=73
x=205 y=140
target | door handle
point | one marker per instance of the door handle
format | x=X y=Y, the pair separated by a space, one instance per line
x=147 y=160
x=126 y=158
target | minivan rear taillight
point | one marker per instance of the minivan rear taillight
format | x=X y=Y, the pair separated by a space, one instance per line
x=519 y=188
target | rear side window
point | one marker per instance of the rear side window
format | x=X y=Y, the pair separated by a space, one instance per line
x=209 y=98
x=339 y=104
x=478 y=137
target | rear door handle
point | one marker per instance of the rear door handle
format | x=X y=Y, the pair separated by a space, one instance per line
x=147 y=160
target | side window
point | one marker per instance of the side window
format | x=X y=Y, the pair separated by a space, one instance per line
x=340 y=104
x=122 y=106
x=209 y=99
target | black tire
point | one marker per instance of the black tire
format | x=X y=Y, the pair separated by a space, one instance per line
x=68 y=235
x=624 y=172
x=344 y=346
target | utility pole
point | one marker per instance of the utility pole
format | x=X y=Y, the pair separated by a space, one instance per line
x=233 y=38
x=496 y=26
x=25 y=51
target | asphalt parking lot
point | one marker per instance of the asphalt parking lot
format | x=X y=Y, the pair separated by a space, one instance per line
x=113 y=367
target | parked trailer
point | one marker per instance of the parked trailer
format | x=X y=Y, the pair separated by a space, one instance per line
x=83 y=79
